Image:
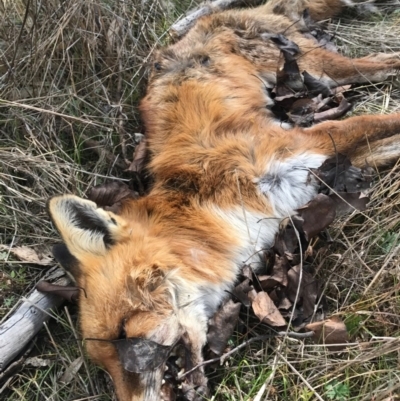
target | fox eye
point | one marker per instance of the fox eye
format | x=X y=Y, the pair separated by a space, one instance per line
x=157 y=66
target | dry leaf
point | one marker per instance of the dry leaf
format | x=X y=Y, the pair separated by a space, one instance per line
x=29 y=255
x=285 y=304
x=286 y=242
x=280 y=270
x=267 y=283
x=317 y=215
x=348 y=202
x=221 y=326
x=278 y=276
x=240 y=292
x=139 y=157
x=138 y=355
x=37 y=362
x=330 y=331
x=71 y=370
x=307 y=289
x=338 y=175
x=247 y=272
x=266 y=310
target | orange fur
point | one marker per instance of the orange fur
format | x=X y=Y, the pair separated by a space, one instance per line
x=225 y=173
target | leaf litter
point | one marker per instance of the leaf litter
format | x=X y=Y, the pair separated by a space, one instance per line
x=27 y=254
x=300 y=98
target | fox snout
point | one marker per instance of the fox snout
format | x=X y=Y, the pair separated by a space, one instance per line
x=149 y=371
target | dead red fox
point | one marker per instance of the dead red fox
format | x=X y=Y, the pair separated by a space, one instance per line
x=225 y=174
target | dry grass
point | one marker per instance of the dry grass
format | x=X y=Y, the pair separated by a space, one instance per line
x=71 y=74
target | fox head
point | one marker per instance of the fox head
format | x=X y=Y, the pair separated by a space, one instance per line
x=128 y=307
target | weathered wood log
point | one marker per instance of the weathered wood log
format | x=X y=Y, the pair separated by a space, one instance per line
x=182 y=26
x=22 y=326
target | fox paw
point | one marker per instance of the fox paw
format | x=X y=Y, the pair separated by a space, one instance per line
x=387 y=58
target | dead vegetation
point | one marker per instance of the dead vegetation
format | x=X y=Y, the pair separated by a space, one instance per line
x=71 y=75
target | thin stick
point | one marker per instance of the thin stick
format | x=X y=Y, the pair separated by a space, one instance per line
x=80 y=350
x=55 y=345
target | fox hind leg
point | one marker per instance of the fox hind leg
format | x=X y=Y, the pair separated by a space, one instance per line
x=373 y=139
x=335 y=70
x=319 y=9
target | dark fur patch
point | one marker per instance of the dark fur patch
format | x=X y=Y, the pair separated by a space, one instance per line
x=65 y=258
x=87 y=219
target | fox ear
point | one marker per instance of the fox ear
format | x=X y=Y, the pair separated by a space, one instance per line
x=85 y=228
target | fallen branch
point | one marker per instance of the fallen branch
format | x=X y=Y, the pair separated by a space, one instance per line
x=19 y=329
x=182 y=26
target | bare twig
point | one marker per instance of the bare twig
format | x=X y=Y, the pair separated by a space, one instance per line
x=79 y=343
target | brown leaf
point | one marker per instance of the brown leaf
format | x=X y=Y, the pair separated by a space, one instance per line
x=139 y=157
x=138 y=355
x=267 y=283
x=286 y=242
x=280 y=270
x=221 y=326
x=288 y=77
x=317 y=215
x=285 y=303
x=278 y=276
x=330 y=331
x=307 y=289
x=278 y=296
x=71 y=370
x=69 y=293
x=247 y=272
x=348 y=202
x=266 y=310
x=338 y=174
x=240 y=292
x=29 y=255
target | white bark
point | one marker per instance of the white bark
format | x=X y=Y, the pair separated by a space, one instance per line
x=22 y=326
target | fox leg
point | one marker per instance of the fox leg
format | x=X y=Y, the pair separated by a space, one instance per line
x=371 y=139
x=318 y=9
x=335 y=70
x=260 y=42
